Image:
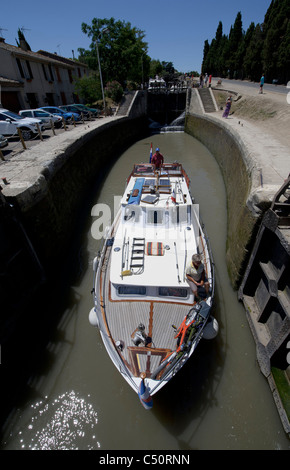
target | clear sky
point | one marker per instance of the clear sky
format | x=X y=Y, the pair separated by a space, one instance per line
x=175 y=30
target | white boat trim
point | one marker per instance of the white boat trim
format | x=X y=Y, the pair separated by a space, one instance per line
x=139 y=278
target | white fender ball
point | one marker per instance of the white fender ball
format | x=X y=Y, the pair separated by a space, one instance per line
x=211 y=329
x=93 y=319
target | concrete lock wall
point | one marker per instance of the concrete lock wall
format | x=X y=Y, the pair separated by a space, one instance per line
x=57 y=177
x=60 y=178
x=232 y=159
x=49 y=206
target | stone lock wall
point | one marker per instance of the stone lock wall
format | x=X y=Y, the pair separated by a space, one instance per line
x=50 y=206
x=230 y=155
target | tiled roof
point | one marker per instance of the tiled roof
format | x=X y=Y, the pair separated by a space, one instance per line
x=31 y=55
x=64 y=60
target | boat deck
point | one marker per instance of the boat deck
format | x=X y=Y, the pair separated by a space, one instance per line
x=141 y=292
x=122 y=318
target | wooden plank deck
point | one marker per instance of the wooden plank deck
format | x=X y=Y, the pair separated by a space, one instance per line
x=123 y=317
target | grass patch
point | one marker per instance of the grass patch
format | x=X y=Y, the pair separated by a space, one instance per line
x=283 y=388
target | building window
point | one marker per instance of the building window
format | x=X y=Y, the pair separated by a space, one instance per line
x=20 y=68
x=58 y=74
x=50 y=72
x=30 y=74
x=44 y=72
x=70 y=76
x=63 y=98
x=32 y=100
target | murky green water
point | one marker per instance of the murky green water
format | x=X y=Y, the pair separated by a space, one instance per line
x=219 y=400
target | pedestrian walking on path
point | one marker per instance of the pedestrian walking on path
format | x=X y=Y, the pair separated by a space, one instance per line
x=262 y=81
x=228 y=107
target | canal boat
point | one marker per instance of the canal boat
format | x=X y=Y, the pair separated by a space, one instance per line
x=157 y=85
x=149 y=318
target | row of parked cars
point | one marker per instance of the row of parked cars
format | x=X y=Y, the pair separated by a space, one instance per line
x=27 y=119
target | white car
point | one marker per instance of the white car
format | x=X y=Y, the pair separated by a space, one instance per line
x=3 y=141
x=10 y=122
x=44 y=116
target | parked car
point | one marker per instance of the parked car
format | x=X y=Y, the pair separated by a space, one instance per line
x=44 y=116
x=3 y=141
x=61 y=112
x=71 y=108
x=10 y=122
x=83 y=107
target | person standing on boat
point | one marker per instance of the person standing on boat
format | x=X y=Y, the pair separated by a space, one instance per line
x=195 y=275
x=157 y=159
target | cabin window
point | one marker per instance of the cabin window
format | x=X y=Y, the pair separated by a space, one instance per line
x=131 y=290
x=172 y=292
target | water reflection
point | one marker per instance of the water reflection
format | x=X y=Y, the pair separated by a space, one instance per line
x=66 y=423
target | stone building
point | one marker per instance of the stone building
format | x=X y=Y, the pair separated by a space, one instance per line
x=33 y=79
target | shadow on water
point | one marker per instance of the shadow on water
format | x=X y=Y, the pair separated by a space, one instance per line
x=182 y=405
x=37 y=330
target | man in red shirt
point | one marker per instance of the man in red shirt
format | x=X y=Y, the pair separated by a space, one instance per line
x=157 y=159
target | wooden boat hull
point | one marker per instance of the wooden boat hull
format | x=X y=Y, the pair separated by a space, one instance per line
x=149 y=335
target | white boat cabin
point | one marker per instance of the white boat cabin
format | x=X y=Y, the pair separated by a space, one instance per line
x=157 y=233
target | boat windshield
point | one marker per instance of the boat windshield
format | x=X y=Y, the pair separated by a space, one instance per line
x=173 y=292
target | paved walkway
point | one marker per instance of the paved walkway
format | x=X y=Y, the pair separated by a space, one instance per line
x=27 y=168
x=267 y=141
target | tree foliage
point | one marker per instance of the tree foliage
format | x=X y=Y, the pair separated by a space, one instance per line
x=263 y=48
x=89 y=88
x=122 y=50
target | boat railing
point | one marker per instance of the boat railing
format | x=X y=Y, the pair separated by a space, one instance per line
x=149 y=169
x=143 y=169
x=99 y=304
x=205 y=251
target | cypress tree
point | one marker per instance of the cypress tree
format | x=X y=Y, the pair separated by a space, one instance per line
x=235 y=43
x=276 y=40
x=252 y=63
x=264 y=48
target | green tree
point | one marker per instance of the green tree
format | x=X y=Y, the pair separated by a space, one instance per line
x=243 y=49
x=264 y=48
x=89 y=88
x=155 y=68
x=21 y=37
x=214 y=54
x=206 y=49
x=252 y=63
x=236 y=36
x=283 y=60
x=276 y=40
x=122 y=50
x=114 y=90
